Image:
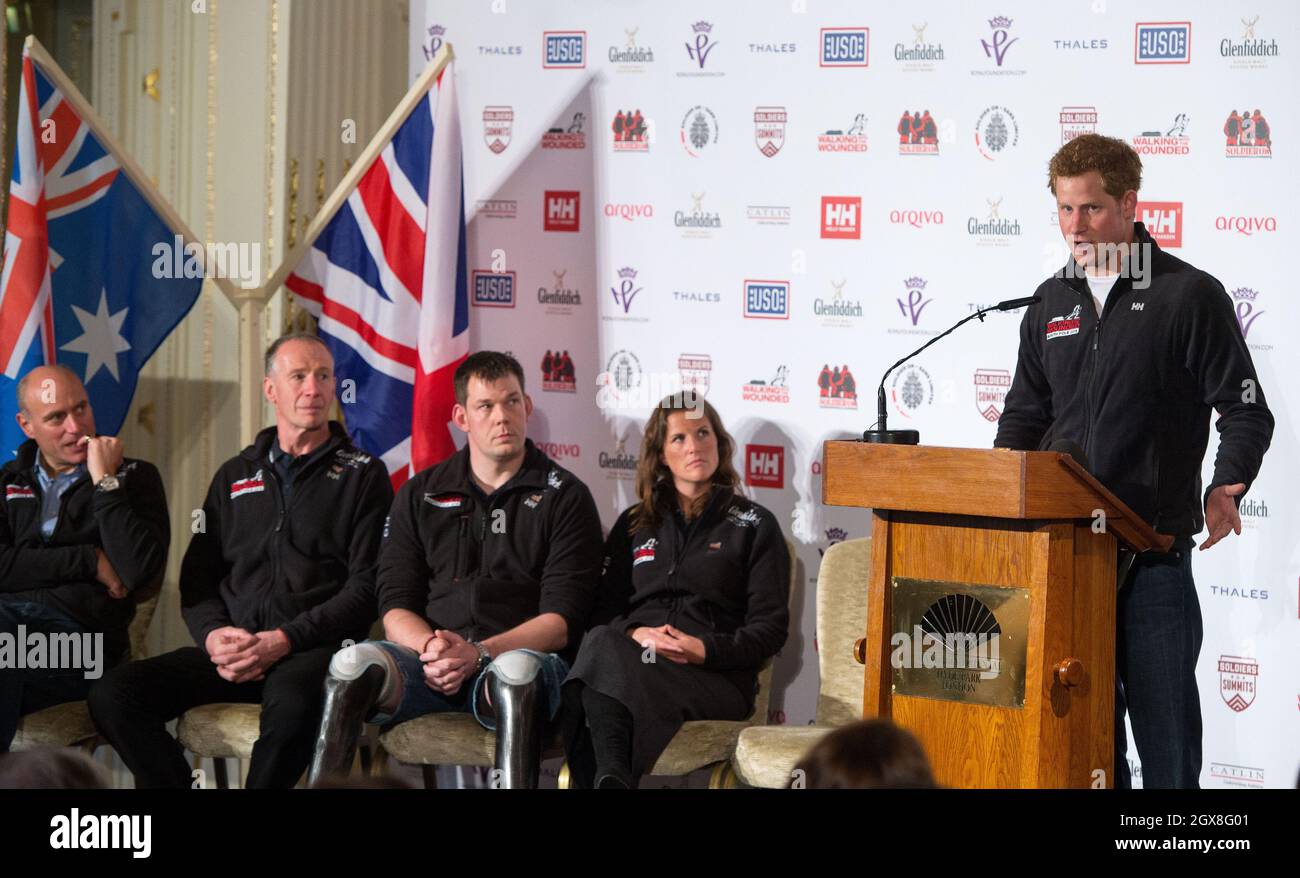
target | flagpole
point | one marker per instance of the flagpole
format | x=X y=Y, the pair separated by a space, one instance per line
x=128 y=165
x=377 y=143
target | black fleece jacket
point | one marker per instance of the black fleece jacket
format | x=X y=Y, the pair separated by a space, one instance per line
x=130 y=525
x=724 y=578
x=308 y=569
x=1137 y=386
x=480 y=565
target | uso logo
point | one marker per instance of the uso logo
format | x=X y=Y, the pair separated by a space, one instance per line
x=1162 y=42
x=564 y=49
x=767 y=299
x=494 y=289
x=844 y=46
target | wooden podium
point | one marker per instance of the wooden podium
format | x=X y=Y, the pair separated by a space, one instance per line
x=991 y=607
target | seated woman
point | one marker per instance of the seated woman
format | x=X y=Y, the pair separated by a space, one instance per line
x=693 y=600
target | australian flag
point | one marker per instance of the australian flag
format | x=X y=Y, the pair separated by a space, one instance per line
x=78 y=285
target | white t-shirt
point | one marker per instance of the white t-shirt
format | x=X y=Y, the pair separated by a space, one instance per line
x=1101 y=285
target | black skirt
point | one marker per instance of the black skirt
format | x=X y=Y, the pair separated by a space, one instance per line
x=660 y=695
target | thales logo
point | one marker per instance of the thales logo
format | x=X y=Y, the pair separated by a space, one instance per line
x=844 y=46
x=494 y=289
x=564 y=49
x=1165 y=42
x=1163 y=220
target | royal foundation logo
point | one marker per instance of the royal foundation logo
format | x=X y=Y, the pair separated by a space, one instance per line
x=561 y=211
x=765 y=466
x=1076 y=121
x=557 y=373
x=838 y=310
x=912 y=390
x=911 y=305
x=497 y=124
x=569 y=136
x=624 y=292
x=698 y=222
x=493 y=289
x=1248 y=135
x=1172 y=140
x=436 y=36
x=564 y=49
x=559 y=297
x=997 y=47
x=699 y=48
x=695 y=370
x=919 y=55
x=1238 y=678
x=844 y=46
x=996 y=133
x=774 y=389
x=1162 y=42
x=1246 y=307
x=837 y=388
x=841 y=217
x=991 y=386
x=631 y=56
x=767 y=299
x=918 y=133
x=630 y=133
x=699 y=131
x=851 y=139
x=1249 y=51
x=1163 y=220
x=834 y=535
x=769 y=129
x=993 y=229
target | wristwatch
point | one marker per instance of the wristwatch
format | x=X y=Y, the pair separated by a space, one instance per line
x=108 y=483
x=484 y=657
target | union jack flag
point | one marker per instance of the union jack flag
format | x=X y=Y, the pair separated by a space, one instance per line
x=386 y=280
x=78 y=284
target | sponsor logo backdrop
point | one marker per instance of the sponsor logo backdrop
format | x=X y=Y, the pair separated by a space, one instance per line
x=727 y=196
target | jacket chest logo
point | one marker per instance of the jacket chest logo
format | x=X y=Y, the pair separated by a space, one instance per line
x=644 y=552
x=252 y=485
x=445 y=501
x=18 y=492
x=742 y=517
x=1060 y=327
x=532 y=501
x=715 y=547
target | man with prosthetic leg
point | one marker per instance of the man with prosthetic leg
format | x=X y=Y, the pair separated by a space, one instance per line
x=487 y=575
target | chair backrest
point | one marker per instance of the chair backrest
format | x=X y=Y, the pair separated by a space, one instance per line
x=841 y=621
x=764 y=695
x=139 y=630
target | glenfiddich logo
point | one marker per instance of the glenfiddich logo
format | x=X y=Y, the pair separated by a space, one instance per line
x=1250 y=51
x=838 y=310
x=993 y=229
x=560 y=296
x=632 y=56
x=919 y=55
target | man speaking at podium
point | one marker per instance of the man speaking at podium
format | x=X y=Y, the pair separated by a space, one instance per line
x=1125 y=356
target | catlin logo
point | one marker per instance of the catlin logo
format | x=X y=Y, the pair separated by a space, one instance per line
x=561 y=211
x=1164 y=220
x=765 y=466
x=841 y=217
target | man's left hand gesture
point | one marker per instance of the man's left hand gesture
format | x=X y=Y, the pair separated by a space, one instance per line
x=1221 y=513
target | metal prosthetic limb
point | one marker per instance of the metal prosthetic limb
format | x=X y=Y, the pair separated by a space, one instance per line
x=520 y=706
x=360 y=678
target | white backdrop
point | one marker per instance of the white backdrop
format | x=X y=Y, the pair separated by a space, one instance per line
x=758 y=220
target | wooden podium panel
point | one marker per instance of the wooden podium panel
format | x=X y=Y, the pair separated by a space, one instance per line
x=964 y=523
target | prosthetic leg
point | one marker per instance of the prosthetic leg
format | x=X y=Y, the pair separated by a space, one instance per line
x=360 y=678
x=521 y=710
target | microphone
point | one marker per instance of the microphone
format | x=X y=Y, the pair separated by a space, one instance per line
x=1065 y=446
x=882 y=435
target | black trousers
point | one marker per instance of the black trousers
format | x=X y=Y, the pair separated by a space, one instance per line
x=133 y=703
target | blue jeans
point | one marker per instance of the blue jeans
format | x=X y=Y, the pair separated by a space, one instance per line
x=1158 y=618
x=418 y=699
x=31 y=689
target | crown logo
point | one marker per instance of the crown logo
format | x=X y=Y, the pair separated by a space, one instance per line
x=915 y=283
x=1000 y=22
x=627 y=273
x=437 y=30
x=702 y=27
x=1245 y=294
x=837 y=534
